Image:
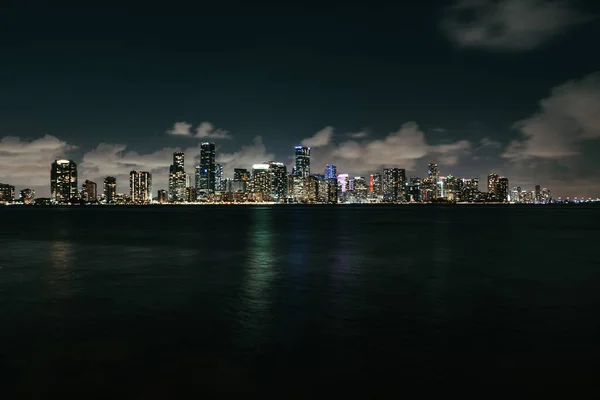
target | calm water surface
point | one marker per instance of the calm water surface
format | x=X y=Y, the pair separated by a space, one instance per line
x=152 y=301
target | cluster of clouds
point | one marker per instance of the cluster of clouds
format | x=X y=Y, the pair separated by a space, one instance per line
x=512 y=25
x=205 y=130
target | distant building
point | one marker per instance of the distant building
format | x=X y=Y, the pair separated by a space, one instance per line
x=538 y=194
x=140 y=186
x=375 y=184
x=63 y=181
x=206 y=171
x=414 y=190
x=344 y=181
x=302 y=158
x=502 y=189
x=330 y=172
x=89 y=190
x=261 y=182
x=27 y=195
x=7 y=193
x=110 y=189
x=393 y=185
x=278 y=172
x=492 y=187
x=219 y=183
x=163 y=196
x=177 y=178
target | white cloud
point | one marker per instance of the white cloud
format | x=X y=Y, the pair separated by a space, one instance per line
x=358 y=135
x=401 y=149
x=509 y=24
x=181 y=129
x=245 y=157
x=319 y=139
x=487 y=142
x=27 y=163
x=568 y=118
x=205 y=130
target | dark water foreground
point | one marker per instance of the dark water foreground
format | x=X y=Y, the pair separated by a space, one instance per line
x=154 y=302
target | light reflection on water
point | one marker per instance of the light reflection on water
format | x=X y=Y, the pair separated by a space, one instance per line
x=62 y=273
x=256 y=287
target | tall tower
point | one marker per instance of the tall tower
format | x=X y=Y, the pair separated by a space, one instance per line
x=261 y=181
x=110 y=189
x=493 y=187
x=63 y=181
x=330 y=172
x=140 y=186
x=89 y=189
x=177 y=178
x=393 y=184
x=502 y=189
x=302 y=161
x=279 y=182
x=206 y=171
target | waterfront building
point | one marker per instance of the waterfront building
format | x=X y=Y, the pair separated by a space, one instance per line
x=89 y=191
x=219 y=183
x=502 y=189
x=375 y=184
x=492 y=187
x=7 y=193
x=261 y=182
x=163 y=196
x=27 y=195
x=110 y=189
x=63 y=181
x=393 y=185
x=177 y=178
x=302 y=161
x=140 y=186
x=330 y=172
x=279 y=181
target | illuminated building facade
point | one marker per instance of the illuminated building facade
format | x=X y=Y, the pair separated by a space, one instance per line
x=279 y=181
x=312 y=188
x=393 y=185
x=140 y=186
x=110 y=189
x=27 y=195
x=89 y=190
x=330 y=172
x=241 y=178
x=261 y=182
x=414 y=190
x=492 y=184
x=63 y=181
x=375 y=184
x=219 y=183
x=177 y=178
x=7 y=193
x=302 y=157
x=502 y=190
x=163 y=196
x=470 y=190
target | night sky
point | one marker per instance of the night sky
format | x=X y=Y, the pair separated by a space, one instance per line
x=478 y=86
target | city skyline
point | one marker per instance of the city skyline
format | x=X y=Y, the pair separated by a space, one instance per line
x=511 y=89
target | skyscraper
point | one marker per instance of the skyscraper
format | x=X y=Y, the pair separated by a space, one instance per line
x=206 y=171
x=140 y=186
x=375 y=184
x=492 y=187
x=177 y=178
x=393 y=184
x=502 y=189
x=302 y=161
x=63 y=181
x=162 y=196
x=89 y=189
x=278 y=173
x=538 y=194
x=330 y=172
x=110 y=189
x=219 y=187
x=241 y=178
x=261 y=182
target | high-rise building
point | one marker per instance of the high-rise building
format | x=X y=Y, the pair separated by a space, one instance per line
x=163 y=196
x=393 y=185
x=414 y=190
x=502 y=189
x=451 y=191
x=261 y=182
x=538 y=194
x=140 y=186
x=177 y=178
x=344 y=181
x=206 y=171
x=279 y=182
x=361 y=189
x=89 y=190
x=63 y=181
x=110 y=189
x=330 y=172
x=312 y=188
x=375 y=184
x=545 y=196
x=515 y=195
x=241 y=179
x=27 y=195
x=219 y=187
x=7 y=193
x=492 y=187
x=302 y=167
